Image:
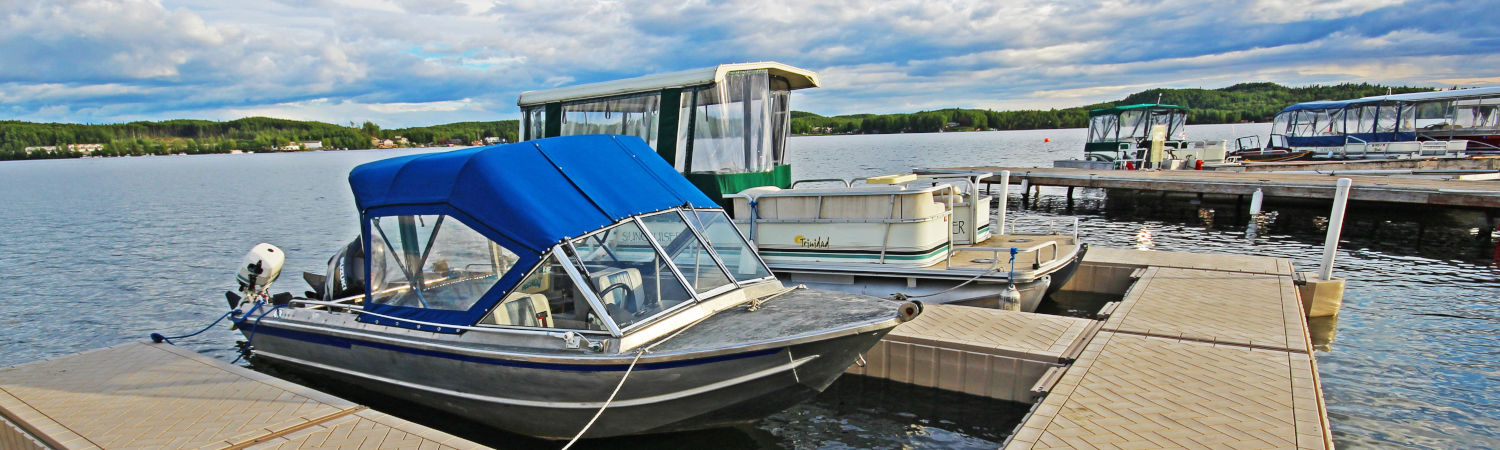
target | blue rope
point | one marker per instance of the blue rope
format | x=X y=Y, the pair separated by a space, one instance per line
x=1012 y=277
x=158 y=338
x=250 y=338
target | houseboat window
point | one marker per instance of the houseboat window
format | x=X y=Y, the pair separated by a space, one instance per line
x=1408 y=118
x=1335 y=124
x=632 y=280
x=781 y=117
x=1433 y=115
x=1476 y=114
x=434 y=262
x=726 y=240
x=546 y=298
x=1282 y=123
x=1365 y=121
x=682 y=246
x=1102 y=128
x=535 y=117
x=1132 y=124
x=732 y=127
x=633 y=115
x=1385 y=121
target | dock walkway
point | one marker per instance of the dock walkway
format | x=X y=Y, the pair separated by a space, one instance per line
x=1458 y=193
x=144 y=395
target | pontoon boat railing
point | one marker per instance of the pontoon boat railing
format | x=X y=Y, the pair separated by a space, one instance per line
x=847 y=183
x=996 y=251
x=1365 y=150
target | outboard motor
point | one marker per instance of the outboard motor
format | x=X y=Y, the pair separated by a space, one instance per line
x=260 y=268
x=346 y=272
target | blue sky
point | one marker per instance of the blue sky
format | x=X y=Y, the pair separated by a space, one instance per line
x=420 y=62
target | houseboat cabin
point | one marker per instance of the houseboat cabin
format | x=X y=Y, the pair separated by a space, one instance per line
x=1385 y=126
x=724 y=127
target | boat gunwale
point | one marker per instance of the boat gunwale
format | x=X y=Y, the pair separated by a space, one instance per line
x=582 y=359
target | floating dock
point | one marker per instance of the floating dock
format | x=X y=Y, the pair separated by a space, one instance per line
x=1202 y=351
x=144 y=395
x=1423 y=191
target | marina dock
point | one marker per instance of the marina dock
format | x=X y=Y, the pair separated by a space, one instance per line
x=1422 y=191
x=1202 y=350
x=143 y=395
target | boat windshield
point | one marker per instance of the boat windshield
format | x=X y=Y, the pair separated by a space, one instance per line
x=634 y=281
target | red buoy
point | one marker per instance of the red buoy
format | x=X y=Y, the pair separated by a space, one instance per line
x=1046 y=139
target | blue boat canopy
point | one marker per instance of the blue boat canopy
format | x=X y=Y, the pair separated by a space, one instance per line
x=533 y=194
x=525 y=196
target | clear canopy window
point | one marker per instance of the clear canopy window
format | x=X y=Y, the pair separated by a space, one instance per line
x=736 y=126
x=546 y=298
x=1102 y=128
x=633 y=281
x=742 y=261
x=698 y=267
x=433 y=262
x=633 y=115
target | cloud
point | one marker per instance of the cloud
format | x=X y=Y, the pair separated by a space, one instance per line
x=412 y=62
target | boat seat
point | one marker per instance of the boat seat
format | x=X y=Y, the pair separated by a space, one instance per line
x=527 y=310
x=630 y=277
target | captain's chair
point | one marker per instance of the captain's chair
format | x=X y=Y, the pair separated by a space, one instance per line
x=527 y=310
x=621 y=288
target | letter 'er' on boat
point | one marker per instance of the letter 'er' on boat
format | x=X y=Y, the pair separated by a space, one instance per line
x=531 y=286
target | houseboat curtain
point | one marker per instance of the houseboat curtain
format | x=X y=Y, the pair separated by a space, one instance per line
x=732 y=125
x=632 y=115
x=534 y=117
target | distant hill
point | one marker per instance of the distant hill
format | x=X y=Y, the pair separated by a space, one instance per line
x=1248 y=102
x=258 y=134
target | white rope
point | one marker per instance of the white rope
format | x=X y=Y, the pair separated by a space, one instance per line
x=607 y=402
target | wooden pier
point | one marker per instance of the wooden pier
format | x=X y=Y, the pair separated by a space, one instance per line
x=1202 y=351
x=144 y=395
x=1401 y=190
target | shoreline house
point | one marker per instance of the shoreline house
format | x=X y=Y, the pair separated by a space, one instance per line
x=312 y=145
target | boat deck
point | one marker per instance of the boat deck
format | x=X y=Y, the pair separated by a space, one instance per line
x=978 y=259
x=143 y=395
x=967 y=261
x=1460 y=193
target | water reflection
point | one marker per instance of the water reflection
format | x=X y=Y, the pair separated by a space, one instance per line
x=1321 y=331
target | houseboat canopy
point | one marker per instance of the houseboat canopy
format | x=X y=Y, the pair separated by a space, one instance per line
x=796 y=79
x=511 y=204
x=1132 y=123
x=1390 y=118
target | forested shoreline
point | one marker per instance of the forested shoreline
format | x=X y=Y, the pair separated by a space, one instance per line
x=1251 y=102
x=1246 y=102
x=251 y=134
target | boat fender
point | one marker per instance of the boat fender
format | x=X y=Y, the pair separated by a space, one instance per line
x=1010 y=298
x=909 y=310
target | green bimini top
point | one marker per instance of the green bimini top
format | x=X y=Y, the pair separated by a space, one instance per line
x=1120 y=109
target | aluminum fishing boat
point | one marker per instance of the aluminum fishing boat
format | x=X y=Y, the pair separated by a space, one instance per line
x=542 y=285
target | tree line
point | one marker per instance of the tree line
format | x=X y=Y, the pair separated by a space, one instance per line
x=257 y=134
x=1245 y=102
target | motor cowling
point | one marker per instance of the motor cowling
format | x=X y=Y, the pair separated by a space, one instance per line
x=260 y=268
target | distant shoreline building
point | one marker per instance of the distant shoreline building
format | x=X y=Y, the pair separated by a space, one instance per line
x=80 y=148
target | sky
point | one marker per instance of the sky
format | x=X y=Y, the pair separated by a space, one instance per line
x=405 y=63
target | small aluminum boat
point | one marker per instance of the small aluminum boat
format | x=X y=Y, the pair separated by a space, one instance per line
x=533 y=286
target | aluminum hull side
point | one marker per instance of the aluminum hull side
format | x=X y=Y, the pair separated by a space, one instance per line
x=555 y=401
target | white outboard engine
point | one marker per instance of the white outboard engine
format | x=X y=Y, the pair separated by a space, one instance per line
x=260 y=268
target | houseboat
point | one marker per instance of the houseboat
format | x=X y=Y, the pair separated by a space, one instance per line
x=1437 y=123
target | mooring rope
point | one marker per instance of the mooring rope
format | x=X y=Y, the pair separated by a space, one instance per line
x=250 y=338
x=158 y=338
x=611 y=399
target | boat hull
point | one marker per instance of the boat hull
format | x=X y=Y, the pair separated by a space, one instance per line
x=555 y=400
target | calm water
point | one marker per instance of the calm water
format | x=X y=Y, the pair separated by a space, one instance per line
x=102 y=251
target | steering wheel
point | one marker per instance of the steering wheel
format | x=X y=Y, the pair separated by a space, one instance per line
x=630 y=305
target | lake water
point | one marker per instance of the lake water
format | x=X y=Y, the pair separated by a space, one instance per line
x=97 y=252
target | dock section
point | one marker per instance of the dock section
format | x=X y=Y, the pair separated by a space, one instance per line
x=1458 y=193
x=986 y=352
x=143 y=395
x=1190 y=358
